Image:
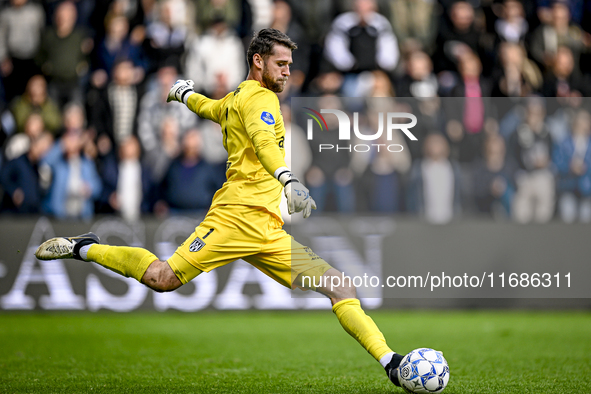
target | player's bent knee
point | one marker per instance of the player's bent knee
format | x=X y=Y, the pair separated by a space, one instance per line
x=345 y=291
x=160 y=277
x=335 y=287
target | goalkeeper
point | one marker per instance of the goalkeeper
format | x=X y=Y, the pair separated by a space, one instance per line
x=244 y=221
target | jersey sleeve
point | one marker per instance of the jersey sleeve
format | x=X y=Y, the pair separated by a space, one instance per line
x=205 y=107
x=260 y=116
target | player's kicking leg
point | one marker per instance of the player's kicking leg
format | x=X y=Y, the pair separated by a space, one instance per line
x=360 y=326
x=137 y=263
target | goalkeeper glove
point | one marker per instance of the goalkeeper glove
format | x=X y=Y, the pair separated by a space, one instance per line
x=180 y=91
x=298 y=195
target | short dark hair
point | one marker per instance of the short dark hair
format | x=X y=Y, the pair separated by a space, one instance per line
x=263 y=42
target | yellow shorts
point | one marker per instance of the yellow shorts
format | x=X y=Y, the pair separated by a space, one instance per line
x=232 y=232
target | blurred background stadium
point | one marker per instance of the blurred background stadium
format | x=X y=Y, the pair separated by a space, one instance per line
x=499 y=180
x=500 y=89
x=85 y=129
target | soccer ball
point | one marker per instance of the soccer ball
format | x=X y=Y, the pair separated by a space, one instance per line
x=423 y=370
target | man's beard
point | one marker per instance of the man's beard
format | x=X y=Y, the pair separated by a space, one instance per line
x=276 y=86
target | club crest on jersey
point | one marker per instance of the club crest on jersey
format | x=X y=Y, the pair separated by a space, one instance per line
x=196 y=245
x=267 y=118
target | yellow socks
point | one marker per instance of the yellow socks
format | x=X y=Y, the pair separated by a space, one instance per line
x=125 y=260
x=361 y=327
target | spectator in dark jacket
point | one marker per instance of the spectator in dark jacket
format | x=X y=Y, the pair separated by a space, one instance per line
x=572 y=158
x=166 y=36
x=516 y=75
x=456 y=37
x=470 y=112
x=190 y=183
x=63 y=55
x=512 y=25
x=531 y=146
x=564 y=80
x=20 y=178
x=361 y=40
x=494 y=182
x=168 y=148
x=116 y=46
x=560 y=31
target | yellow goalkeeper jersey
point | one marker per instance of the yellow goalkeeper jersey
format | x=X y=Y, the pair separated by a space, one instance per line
x=253 y=134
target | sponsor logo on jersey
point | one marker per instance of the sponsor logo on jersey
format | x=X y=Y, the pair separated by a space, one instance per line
x=267 y=118
x=197 y=245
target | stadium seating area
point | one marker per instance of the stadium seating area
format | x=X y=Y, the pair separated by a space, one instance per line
x=500 y=87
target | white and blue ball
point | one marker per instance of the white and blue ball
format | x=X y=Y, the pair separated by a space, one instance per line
x=423 y=370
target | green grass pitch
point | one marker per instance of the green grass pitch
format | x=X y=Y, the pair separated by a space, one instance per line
x=287 y=352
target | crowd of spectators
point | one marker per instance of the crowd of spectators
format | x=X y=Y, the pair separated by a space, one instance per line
x=499 y=87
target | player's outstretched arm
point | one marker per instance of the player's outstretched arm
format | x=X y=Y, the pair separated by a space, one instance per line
x=298 y=195
x=206 y=108
x=180 y=91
